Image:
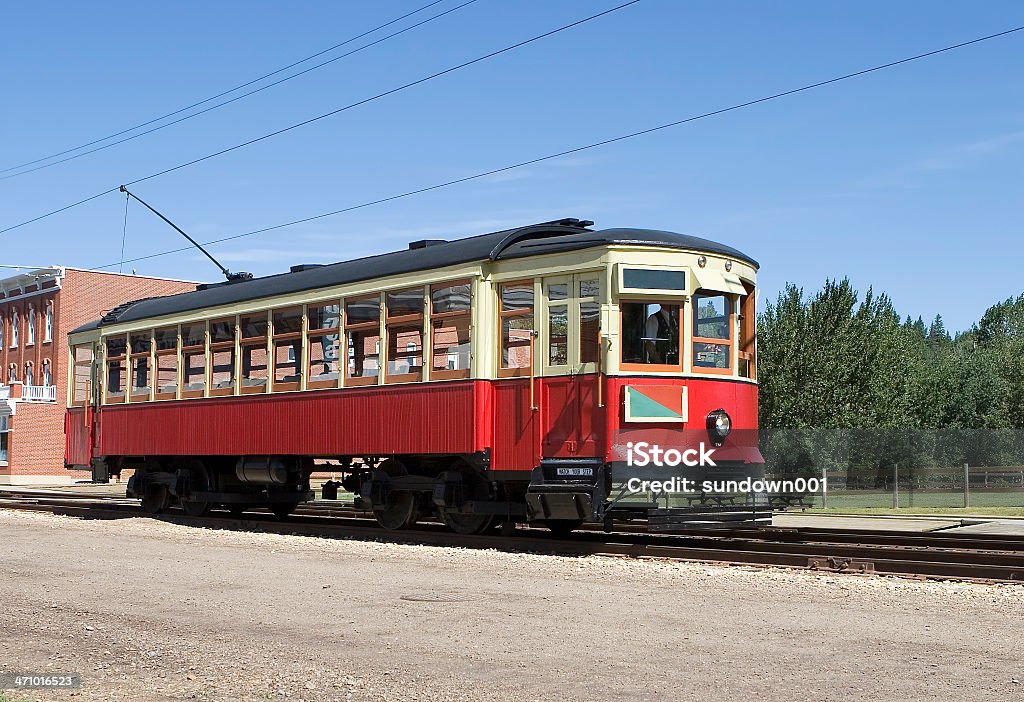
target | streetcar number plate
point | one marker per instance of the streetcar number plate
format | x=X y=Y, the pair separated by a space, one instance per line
x=575 y=471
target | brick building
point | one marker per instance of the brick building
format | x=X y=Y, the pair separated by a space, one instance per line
x=37 y=309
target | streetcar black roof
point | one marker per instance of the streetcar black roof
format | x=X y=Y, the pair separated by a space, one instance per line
x=533 y=240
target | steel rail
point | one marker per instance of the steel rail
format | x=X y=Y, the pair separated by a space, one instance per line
x=827 y=551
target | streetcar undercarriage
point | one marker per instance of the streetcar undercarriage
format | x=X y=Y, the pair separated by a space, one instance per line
x=561 y=494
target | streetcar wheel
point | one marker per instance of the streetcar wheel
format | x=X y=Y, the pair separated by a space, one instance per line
x=562 y=527
x=467 y=523
x=283 y=510
x=155 y=499
x=399 y=510
x=476 y=489
x=198 y=481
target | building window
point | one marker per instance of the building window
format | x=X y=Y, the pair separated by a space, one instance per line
x=324 y=343
x=31 y=331
x=650 y=335
x=12 y=373
x=48 y=328
x=287 y=349
x=5 y=424
x=405 y=335
x=712 y=332
x=14 y=329
x=47 y=375
x=30 y=375
x=450 y=318
x=362 y=338
x=517 y=330
x=193 y=359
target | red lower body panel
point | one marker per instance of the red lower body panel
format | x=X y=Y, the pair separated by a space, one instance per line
x=458 y=417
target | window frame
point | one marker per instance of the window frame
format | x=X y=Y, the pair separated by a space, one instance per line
x=133 y=358
x=467 y=315
x=159 y=353
x=746 y=333
x=184 y=352
x=109 y=399
x=213 y=347
x=730 y=323
x=404 y=320
x=362 y=380
x=526 y=370
x=48 y=323
x=275 y=339
x=253 y=342
x=316 y=335
x=655 y=367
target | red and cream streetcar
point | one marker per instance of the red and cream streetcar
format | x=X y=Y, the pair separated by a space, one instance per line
x=502 y=378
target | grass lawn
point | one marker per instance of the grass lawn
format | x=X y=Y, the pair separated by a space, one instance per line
x=1005 y=503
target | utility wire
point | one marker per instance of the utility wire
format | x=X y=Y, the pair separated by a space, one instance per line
x=237 y=97
x=226 y=92
x=328 y=114
x=586 y=147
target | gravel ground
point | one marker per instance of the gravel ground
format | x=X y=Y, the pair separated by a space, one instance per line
x=146 y=610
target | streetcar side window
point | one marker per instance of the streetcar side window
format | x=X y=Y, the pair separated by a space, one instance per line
x=253 y=351
x=516 y=310
x=82 y=374
x=287 y=349
x=140 y=348
x=405 y=335
x=117 y=368
x=712 y=332
x=222 y=356
x=450 y=324
x=166 y=369
x=649 y=335
x=362 y=339
x=747 y=340
x=193 y=359
x=324 y=345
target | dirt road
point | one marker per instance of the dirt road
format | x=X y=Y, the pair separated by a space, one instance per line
x=146 y=610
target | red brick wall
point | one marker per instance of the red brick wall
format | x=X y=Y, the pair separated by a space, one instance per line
x=36 y=441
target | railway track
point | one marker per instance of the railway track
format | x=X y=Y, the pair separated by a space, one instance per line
x=990 y=558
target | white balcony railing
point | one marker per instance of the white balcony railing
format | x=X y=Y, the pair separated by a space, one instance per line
x=39 y=393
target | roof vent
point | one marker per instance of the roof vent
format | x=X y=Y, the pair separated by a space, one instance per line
x=304 y=267
x=424 y=243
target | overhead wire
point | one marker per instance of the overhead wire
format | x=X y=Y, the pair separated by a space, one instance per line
x=225 y=92
x=238 y=97
x=586 y=147
x=325 y=115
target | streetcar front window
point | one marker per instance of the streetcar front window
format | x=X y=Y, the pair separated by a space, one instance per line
x=712 y=332
x=650 y=334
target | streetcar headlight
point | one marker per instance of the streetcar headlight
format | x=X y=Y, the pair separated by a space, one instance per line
x=719 y=425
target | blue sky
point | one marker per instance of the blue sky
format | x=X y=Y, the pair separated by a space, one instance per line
x=908 y=180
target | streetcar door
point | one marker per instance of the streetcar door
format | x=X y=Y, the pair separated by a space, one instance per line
x=571 y=312
x=80 y=420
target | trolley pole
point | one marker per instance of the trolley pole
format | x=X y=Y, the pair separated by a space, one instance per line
x=895 y=485
x=967 y=486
